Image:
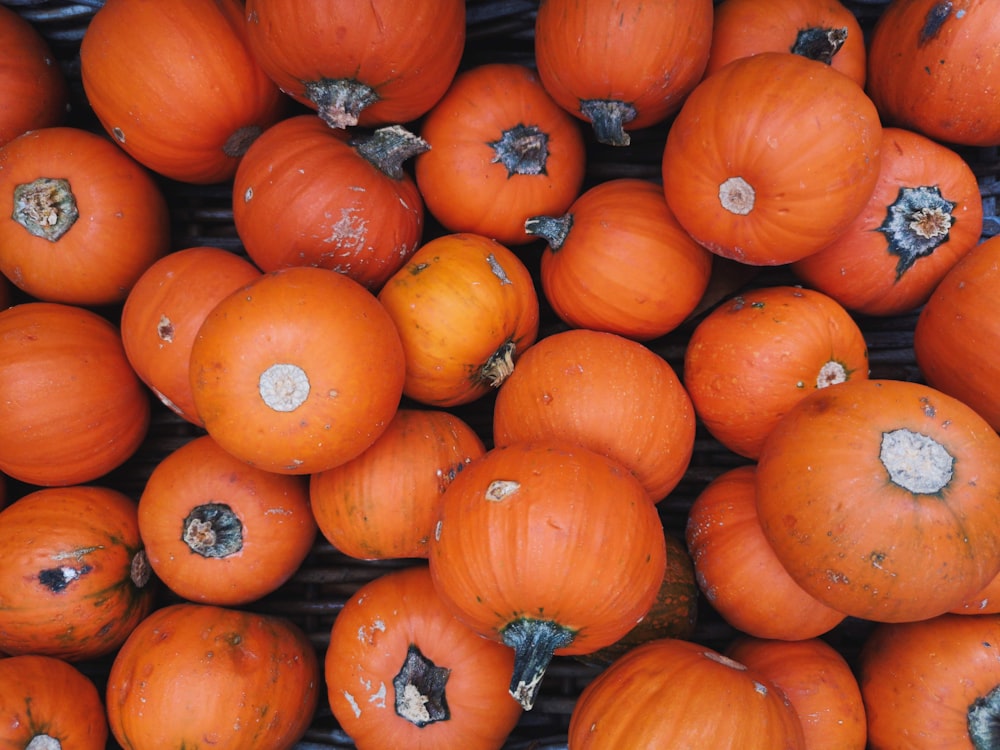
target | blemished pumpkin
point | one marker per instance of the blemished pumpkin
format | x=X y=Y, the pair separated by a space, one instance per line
x=298 y=371
x=81 y=219
x=986 y=601
x=402 y=672
x=785 y=188
x=357 y=62
x=880 y=498
x=74 y=579
x=175 y=85
x=195 y=671
x=548 y=548
x=621 y=65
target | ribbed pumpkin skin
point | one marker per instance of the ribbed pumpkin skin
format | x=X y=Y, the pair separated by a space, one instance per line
x=73 y=576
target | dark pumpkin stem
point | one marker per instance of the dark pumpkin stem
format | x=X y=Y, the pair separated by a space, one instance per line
x=388 y=148
x=552 y=229
x=213 y=530
x=46 y=207
x=240 y=140
x=522 y=149
x=916 y=224
x=819 y=44
x=419 y=687
x=608 y=118
x=340 y=102
x=534 y=643
x=984 y=721
x=499 y=366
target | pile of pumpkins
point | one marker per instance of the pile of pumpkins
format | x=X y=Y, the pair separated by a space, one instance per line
x=321 y=371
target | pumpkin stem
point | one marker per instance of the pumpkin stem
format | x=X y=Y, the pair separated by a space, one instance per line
x=608 y=118
x=213 y=530
x=43 y=742
x=819 y=44
x=387 y=148
x=984 y=720
x=419 y=686
x=140 y=571
x=737 y=196
x=499 y=366
x=46 y=207
x=522 y=149
x=339 y=102
x=916 y=224
x=552 y=229
x=916 y=462
x=534 y=643
x=283 y=387
x=240 y=139
x=831 y=373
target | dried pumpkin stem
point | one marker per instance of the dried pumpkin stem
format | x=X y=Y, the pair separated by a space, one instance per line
x=608 y=118
x=552 y=229
x=916 y=224
x=388 y=148
x=340 y=102
x=240 y=140
x=46 y=207
x=43 y=742
x=916 y=462
x=737 y=196
x=818 y=43
x=213 y=530
x=419 y=688
x=984 y=720
x=534 y=643
x=522 y=149
x=499 y=366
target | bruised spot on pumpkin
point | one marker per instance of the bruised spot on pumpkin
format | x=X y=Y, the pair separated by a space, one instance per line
x=934 y=20
x=119 y=134
x=500 y=489
x=57 y=579
x=165 y=329
x=724 y=660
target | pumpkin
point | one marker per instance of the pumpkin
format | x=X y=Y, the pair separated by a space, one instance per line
x=621 y=65
x=466 y=309
x=48 y=704
x=74 y=579
x=677 y=693
x=606 y=393
x=298 y=371
x=618 y=261
x=164 y=310
x=384 y=503
x=193 y=674
x=932 y=67
x=71 y=406
x=771 y=158
x=82 y=220
x=304 y=195
x=759 y=353
x=956 y=339
x=550 y=549
x=986 y=601
x=243 y=531
x=925 y=214
x=822 y=30
x=359 y=63
x=738 y=572
x=401 y=671
x=501 y=151
x=36 y=92
x=880 y=498
x=175 y=85
x=934 y=683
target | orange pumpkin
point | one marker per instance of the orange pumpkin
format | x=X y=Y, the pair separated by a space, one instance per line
x=501 y=151
x=771 y=158
x=298 y=371
x=549 y=548
x=82 y=220
x=359 y=63
x=164 y=310
x=986 y=601
x=466 y=308
x=384 y=503
x=880 y=499
x=71 y=406
x=175 y=85
x=759 y=353
x=926 y=213
x=401 y=671
x=304 y=195
x=74 y=580
x=243 y=531
x=196 y=674
x=621 y=64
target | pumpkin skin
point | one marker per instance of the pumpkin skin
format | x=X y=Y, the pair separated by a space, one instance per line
x=880 y=499
x=194 y=671
x=140 y=60
x=47 y=700
x=501 y=151
x=932 y=67
x=36 y=94
x=986 y=601
x=389 y=63
x=164 y=310
x=926 y=213
x=298 y=371
x=624 y=706
x=244 y=531
x=808 y=170
x=72 y=407
x=759 y=353
x=606 y=393
x=618 y=261
x=384 y=504
x=956 y=339
x=74 y=579
x=466 y=309
x=401 y=671
x=85 y=236
x=738 y=572
x=527 y=510
x=822 y=30
x=621 y=64
x=932 y=683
